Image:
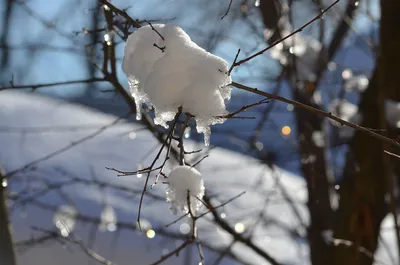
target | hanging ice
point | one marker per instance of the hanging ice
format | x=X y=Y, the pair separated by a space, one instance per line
x=172 y=71
x=181 y=180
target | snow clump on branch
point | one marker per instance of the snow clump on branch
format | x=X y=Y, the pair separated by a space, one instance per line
x=181 y=180
x=167 y=70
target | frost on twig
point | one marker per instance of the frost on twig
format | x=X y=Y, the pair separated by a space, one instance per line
x=175 y=72
x=181 y=180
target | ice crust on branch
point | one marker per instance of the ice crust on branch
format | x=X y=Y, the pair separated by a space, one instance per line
x=172 y=72
x=181 y=180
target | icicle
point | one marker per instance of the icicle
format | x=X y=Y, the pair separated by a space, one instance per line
x=207 y=135
x=133 y=85
x=138 y=110
x=203 y=126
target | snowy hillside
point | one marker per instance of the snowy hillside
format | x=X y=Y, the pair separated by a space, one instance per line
x=56 y=154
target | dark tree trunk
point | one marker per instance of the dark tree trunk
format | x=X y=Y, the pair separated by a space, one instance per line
x=7 y=253
x=314 y=160
x=368 y=172
x=313 y=166
x=271 y=12
x=362 y=204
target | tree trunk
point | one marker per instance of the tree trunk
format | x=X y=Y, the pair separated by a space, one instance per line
x=362 y=204
x=7 y=253
x=313 y=164
x=315 y=172
x=368 y=172
x=271 y=12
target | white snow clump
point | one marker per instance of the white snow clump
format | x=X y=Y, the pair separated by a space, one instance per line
x=172 y=71
x=181 y=180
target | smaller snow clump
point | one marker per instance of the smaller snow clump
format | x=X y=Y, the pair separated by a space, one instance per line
x=167 y=70
x=181 y=180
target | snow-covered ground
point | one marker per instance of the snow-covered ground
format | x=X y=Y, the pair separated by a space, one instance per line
x=272 y=212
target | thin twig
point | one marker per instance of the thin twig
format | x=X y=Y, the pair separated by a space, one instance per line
x=392 y=154
x=222 y=204
x=153 y=163
x=232 y=115
x=158 y=33
x=198 y=162
x=194 y=230
x=193 y=152
x=238 y=237
x=66 y=148
x=227 y=10
x=122 y=13
x=52 y=129
x=162 y=49
x=361 y=249
x=203 y=214
x=164 y=163
x=174 y=252
x=75 y=239
x=288 y=36
x=234 y=61
x=181 y=136
x=34 y=87
x=318 y=112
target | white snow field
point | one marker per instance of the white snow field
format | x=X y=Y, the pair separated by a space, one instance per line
x=272 y=211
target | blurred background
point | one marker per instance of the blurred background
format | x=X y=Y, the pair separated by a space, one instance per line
x=317 y=192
